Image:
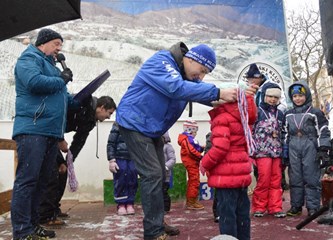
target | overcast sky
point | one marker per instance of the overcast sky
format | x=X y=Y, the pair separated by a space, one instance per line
x=299 y=5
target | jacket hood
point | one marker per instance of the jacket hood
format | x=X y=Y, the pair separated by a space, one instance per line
x=178 y=51
x=181 y=137
x=166 y=137
x=263 y=93
x=308 y=94
x=94 y=103
x=232 y=109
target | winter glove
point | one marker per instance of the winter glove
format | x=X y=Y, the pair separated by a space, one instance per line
x=285 y=151
x=113 y=166
x=322 y=157
x=325 y=163
x=67 y=75
x=329 y=169
x=285 y=162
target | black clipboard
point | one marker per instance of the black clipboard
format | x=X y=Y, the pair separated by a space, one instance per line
x=92 y=86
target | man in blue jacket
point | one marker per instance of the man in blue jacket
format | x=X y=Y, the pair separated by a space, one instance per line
x=41 y=106
x=152 y=104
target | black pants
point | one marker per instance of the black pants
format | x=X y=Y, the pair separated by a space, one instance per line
x=284 y=183
x=50 y=201
x=215 y=205
x=166 y=197
x=255 y=172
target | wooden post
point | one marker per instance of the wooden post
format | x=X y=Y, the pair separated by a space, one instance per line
x=6 y=196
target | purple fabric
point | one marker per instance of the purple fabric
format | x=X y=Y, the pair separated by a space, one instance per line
x=72 y=182
x=194 y=142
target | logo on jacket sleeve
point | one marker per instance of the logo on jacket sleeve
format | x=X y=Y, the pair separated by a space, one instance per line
x=173 y=72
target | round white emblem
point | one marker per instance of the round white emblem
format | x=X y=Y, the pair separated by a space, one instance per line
x=265 y=69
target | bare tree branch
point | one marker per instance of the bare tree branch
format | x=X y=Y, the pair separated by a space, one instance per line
x=305 y=44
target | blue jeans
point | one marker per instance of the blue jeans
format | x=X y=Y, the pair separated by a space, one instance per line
x=148 y=157
x=36 y=157
x=49 y=206
x=233 y=207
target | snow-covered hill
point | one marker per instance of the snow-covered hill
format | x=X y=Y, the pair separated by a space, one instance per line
x=108 y=39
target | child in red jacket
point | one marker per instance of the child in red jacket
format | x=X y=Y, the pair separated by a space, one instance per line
x=190 y=152
x=228 y=165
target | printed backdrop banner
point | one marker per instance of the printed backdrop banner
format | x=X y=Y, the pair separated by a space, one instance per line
x=121 y=35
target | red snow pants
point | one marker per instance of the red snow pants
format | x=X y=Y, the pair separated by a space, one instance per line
x=193 y=182
x=267 y=195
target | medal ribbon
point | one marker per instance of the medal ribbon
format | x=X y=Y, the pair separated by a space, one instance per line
x=72 y=182
x=242 y=106
x=270 y=115
x=300 y=123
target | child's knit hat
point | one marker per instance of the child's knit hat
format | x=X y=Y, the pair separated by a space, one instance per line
x=273 y=92
x=190 y=126
x=297 y=89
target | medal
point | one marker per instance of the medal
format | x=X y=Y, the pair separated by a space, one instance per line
x=275 y=135
x=298 y=126
x=299 y=133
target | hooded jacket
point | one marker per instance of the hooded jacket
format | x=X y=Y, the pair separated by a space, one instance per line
x=169 y=156
x=228 y=161
x=310 y=121
x=41 y=95
x=268 y=128
x=190 y=150
x=159 y=93
x=283 y=102
x=81 y=120
x=116 y=147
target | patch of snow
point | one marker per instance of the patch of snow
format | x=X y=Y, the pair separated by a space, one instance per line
x=223 y=237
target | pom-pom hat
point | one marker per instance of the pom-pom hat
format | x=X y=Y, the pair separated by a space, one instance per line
x=203 y=55
x=45 y=35
x=190 y=126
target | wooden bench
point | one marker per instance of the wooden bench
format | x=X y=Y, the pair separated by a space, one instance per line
x=6 y=196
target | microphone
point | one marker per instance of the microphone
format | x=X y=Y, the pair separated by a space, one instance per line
x=61 y=59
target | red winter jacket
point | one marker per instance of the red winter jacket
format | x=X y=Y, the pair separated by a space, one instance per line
x=228 y=161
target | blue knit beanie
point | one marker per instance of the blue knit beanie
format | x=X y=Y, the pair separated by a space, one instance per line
x=298 y=89
x=45 y=35
x=203 y=55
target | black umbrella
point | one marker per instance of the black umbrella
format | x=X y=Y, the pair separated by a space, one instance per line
x=20 y=16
